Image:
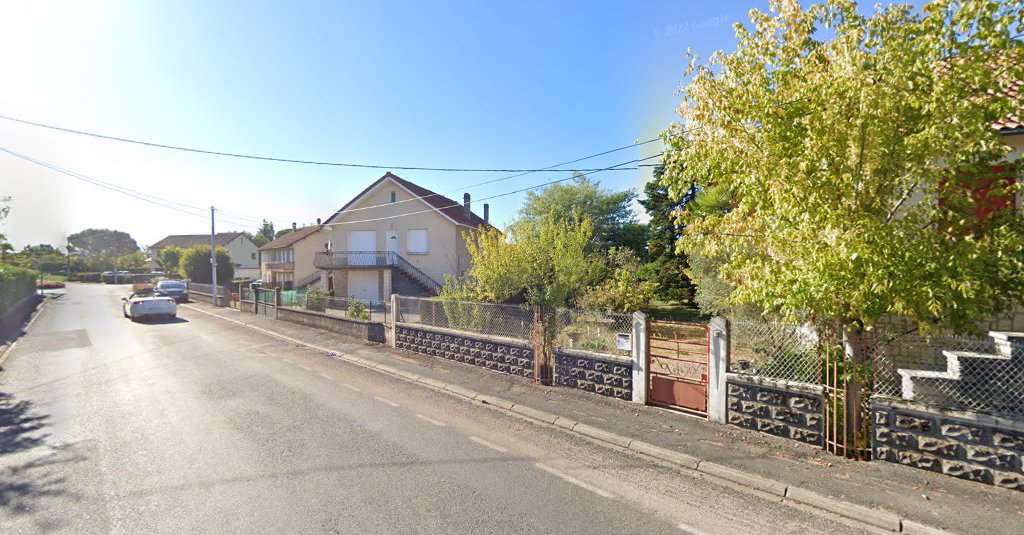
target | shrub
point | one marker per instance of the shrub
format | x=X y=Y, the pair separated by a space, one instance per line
x=357 y=309
x=316 y=300
x=15 y=284
x=49 y=285
x=195 y=264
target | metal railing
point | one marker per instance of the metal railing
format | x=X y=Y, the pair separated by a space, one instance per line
x=373 y=259
x=507 y=321
x=279 y=266
x=350 y=308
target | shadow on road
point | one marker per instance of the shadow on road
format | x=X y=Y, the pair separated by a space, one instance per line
x=160 y=321
x=28 y=467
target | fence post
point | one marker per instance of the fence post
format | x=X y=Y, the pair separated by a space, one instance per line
x=718 y=365
x=543 y=365
x=639 y=354
x=396 y=314
x=277 y=296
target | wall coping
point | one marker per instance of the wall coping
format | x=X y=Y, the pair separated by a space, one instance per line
x=792 y=386
x=620 y=359
x=453 y=332
x=976 y=417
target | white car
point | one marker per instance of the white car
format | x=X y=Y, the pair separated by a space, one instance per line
x=149 y=304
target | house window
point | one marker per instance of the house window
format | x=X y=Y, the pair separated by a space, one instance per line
x=392 y=196
x=254 y=256
x=418 y=241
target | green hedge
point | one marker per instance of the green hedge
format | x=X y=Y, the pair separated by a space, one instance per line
x=15 y=284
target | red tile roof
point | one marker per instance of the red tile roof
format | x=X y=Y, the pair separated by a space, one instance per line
x=1015 y=121
x=446 y=206
x=291 y=238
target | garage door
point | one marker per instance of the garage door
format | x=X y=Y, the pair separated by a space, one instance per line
x=362 y=284
x=362 y=241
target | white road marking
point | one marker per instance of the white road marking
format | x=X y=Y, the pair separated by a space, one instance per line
x=383 y=400
x=307 y=368
x=352 y=388
x=690 y=529
x=325 y=376
x=573 y=480
x=431 y=420
x=288 y=361
x=486 y=444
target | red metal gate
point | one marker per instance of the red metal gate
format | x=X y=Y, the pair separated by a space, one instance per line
x=677 y=365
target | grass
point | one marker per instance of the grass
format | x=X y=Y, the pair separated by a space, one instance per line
x=48 y=277
x=674 y=312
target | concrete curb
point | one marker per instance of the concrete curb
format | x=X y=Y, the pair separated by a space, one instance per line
x=857 y=513
x=7 y=351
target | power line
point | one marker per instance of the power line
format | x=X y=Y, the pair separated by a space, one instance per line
x=507 y=193
x=305 y=162
x=158 y=201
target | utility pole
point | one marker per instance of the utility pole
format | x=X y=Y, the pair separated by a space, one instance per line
x=213 y=256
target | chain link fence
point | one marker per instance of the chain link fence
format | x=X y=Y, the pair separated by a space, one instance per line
x=595 y=331
x=775 y=350
x=344 y=307
x=974 y=374
x=507 y=321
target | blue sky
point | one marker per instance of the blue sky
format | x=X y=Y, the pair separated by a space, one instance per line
x=440 y=84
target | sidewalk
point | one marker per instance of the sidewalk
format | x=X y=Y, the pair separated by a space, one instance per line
x=915 y=496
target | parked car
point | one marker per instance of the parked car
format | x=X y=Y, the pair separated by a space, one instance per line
x=148 y=303
x=174 y=289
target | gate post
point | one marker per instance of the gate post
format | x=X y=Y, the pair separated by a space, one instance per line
x=718 y=365
x=277 y=296
x=639 y=354
x=396 y=315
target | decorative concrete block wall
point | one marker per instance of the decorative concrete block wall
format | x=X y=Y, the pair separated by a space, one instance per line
x=788 y=410
x=606 y=375
x=960 y=444
x=501 y=355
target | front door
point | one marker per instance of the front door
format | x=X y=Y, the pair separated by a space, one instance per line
x=392 y=244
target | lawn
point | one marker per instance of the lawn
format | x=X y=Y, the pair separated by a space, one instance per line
x=674 y=312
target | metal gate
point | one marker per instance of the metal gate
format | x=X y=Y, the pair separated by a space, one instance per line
x=677 y=365
x=266 y=302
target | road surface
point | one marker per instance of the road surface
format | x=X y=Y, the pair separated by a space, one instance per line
x=203 y=426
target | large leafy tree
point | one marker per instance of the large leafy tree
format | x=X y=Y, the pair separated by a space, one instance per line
x=100 y=247
x=849 y=147
x=264 y=235
x=195 y=264
x=610 y=213
x=664 y=229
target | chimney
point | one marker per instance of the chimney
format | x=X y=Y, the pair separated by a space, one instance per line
x=295 y=226
x=487 y=213
x=318 y=221
x=465 y=204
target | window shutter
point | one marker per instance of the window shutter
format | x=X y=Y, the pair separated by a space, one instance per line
x=418 y=241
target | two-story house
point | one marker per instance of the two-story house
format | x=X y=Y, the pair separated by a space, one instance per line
x=396 y=237
x=239 y=246
x=287 y=262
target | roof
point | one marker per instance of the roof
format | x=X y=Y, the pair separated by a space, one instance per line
x=188 y=240
x=292 y=237
x=453 y=210
x=1014 y=122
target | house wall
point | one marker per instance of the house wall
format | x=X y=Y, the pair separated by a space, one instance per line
x=442 y=234
x=305 y=251
x=242 y=250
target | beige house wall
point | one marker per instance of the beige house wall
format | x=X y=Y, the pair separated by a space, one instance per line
x=242 y=250
x=443 y=235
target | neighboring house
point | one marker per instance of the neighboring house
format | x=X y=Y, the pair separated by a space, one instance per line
x=396 y=237
x=242 y=250
x=287 y=262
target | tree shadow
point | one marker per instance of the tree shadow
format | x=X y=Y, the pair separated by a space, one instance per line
x=29 y=468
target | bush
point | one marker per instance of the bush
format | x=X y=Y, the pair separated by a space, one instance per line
x=85 y=276
x=195 y=264
x=316 y=300
x=357 y=309
x=49 y=285
x=15 y=284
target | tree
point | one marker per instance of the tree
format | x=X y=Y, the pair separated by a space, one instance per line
x=5 y=246
x=851 y=162
x=170 y=258
x=610 y=213
x=664 y=229
x=195 y=264
x=101 y=247
x=623 y=288
x=282 y=232
x=544 y=262
x=264 y=235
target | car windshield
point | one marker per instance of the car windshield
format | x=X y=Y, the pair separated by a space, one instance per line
x=171 y=285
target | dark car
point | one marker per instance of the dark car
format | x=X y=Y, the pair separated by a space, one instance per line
x=175 y=289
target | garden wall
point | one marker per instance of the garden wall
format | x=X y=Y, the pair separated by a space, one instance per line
x=966 y=445
x=607 y=375
x=781 y=408
x=498 y=354
x=364 y=330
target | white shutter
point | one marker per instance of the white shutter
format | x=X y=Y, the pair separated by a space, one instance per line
x=418 y=241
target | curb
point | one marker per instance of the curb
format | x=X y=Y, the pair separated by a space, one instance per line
x=850 y=511
x=38 y=312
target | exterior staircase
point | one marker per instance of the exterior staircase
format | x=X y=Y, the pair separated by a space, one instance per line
x=406 y=278
x=309 y=279
x=990 y=382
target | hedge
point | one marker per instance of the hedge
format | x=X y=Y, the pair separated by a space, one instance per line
x=15 y=284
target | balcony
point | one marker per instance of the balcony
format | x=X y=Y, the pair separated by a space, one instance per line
x=279 y=266
x=373 y=260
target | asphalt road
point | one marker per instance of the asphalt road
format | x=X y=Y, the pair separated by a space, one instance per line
x=202 y=426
